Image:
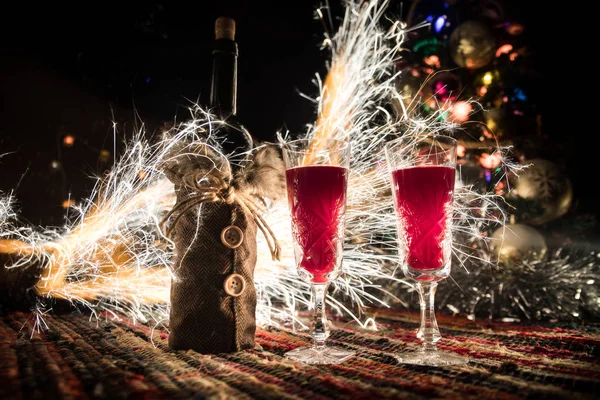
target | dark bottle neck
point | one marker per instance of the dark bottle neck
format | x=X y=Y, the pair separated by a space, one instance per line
x=223 y=90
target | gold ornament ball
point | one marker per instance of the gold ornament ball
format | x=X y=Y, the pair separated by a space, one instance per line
x=518 y=242
x=472 y=45
x=545 y=182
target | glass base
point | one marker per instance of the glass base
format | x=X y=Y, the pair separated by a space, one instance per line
x=431 y=358
x=320 y=354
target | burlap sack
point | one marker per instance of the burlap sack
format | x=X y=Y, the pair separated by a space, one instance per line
x=214 y=225
x=203 y=316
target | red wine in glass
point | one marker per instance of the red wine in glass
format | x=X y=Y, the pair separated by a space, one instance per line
x=317 y=172
x=423 y=201
x=317 y=199
x=422 y=173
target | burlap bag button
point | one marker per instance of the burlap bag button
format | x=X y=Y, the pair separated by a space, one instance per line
x=234 y=285
x=232 y=236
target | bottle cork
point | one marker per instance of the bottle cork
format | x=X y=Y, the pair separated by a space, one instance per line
x=225 y=28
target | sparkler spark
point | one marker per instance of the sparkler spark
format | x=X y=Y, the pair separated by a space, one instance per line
x=115 y=259
x=7 y=213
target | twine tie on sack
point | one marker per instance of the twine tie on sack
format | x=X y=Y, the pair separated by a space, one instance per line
x=209 y=187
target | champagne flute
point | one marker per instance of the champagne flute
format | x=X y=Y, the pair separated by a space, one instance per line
x=317 y=181
x=422 y=173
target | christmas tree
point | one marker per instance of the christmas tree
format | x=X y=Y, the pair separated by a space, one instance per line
x=474 y=64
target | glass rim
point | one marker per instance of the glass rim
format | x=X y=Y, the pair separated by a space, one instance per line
x=446 y=139
x=286 y=145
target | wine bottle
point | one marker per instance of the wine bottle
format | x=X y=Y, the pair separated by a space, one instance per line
x=236 y=142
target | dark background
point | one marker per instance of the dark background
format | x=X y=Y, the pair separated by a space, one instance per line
x=74 y=69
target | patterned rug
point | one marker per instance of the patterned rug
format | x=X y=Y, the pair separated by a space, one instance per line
x=78 y=358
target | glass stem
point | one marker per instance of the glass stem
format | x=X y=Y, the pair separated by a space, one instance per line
x=429 y=333
x=320 y=326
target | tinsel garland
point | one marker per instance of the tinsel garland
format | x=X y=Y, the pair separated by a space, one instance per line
x=563 y=286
